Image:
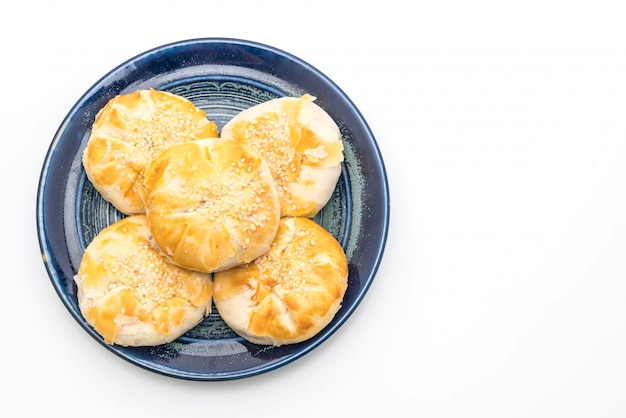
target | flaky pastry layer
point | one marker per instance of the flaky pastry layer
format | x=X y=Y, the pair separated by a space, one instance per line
x=290 y=293
x=302 y=145
x=131 y=295
x=128 y=132
x=211 y=204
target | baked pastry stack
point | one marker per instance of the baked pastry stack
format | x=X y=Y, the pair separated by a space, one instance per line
x=293 y=291
x=224 y=220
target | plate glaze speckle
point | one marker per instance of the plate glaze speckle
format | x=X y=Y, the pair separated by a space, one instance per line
x=222 y=77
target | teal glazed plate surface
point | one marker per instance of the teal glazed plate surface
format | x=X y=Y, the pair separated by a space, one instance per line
x=222 y=77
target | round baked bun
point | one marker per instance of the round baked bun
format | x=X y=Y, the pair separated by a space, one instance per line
x=302 y=145
x=211 y=204
x=128 y=132
x=289 y=294
x=131 y=295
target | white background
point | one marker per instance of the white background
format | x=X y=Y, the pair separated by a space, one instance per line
x=502 y=291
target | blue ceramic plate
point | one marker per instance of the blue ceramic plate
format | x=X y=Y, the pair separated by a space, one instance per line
x=222 y=77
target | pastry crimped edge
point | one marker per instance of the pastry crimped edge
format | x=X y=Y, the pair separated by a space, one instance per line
x=211 y=204
x=289 y=294
x=128 y=132
x=131 y=295
x=303 y=146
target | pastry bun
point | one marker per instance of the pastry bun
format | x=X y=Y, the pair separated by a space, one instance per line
x=131 y=295
x=302 y=145
x=128 y=132
x=211 y=204
x=289 y=294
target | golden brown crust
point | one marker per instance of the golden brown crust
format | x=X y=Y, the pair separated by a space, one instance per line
x=302 y=145
x=131 y=295
x=290 y=293
x=129 y=131
x=211 y=204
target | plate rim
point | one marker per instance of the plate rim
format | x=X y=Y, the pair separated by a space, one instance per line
x=46 y=250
